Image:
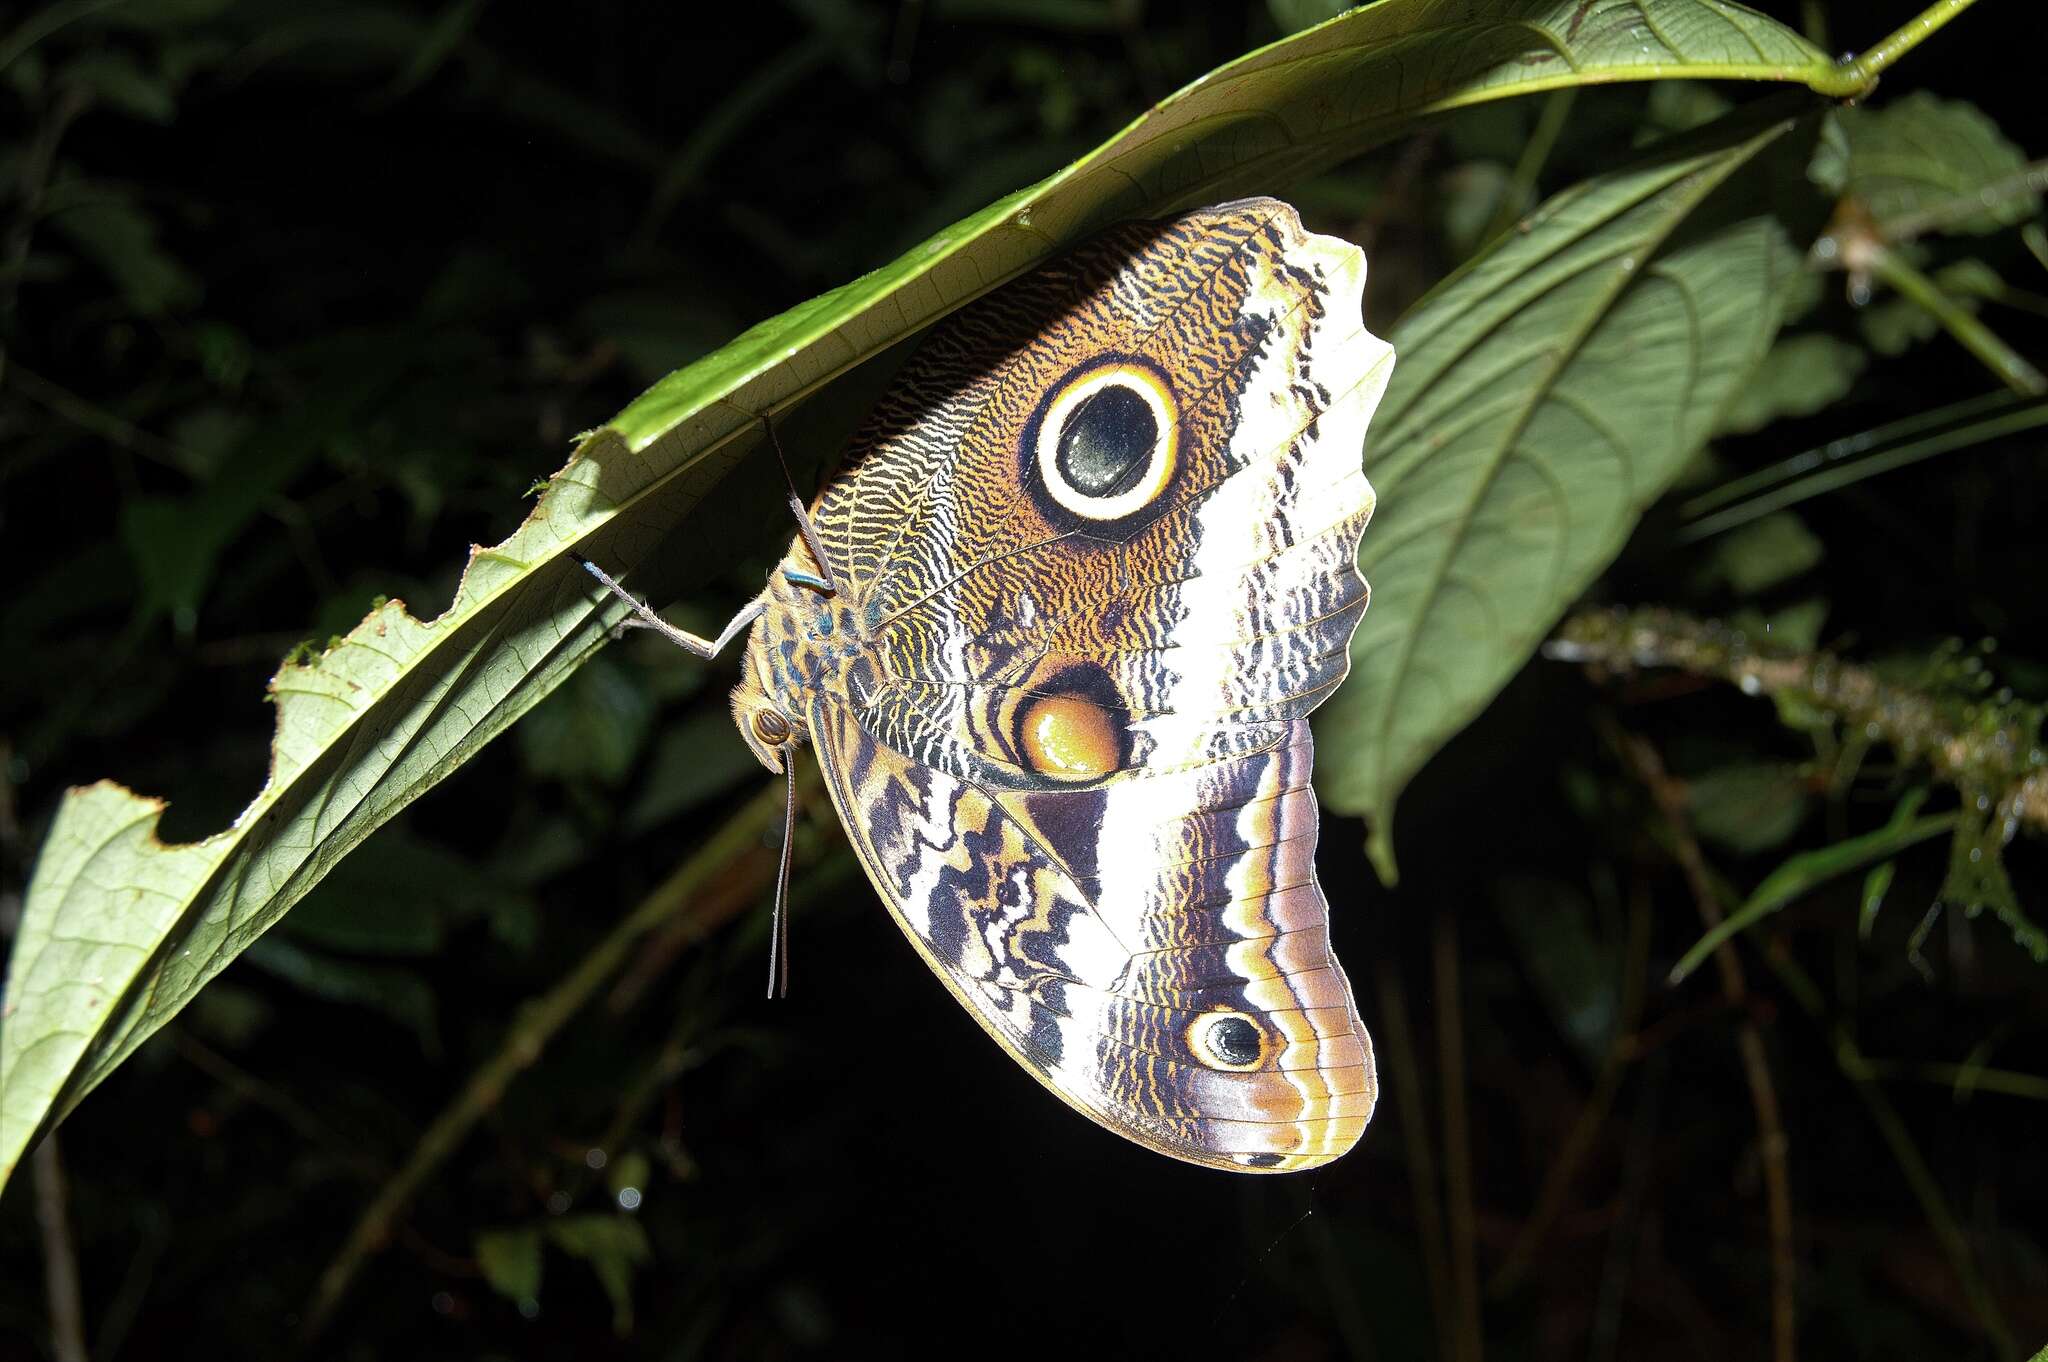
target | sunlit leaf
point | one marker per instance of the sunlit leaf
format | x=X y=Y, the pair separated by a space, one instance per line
x=1542 y=398
x=120 y=931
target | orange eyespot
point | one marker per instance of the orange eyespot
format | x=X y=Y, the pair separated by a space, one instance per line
x=770 y=727
x=1068 y=738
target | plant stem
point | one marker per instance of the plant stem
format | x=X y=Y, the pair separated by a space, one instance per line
x=1981 y=752
x=1857 y=76
x=1406 y=1073
x=1672 y=798
x=1963 y=1078
x=2028 y=181
x=535 y=1025
x=2012 y=369
x=60 y=1260
x=1542 y=141
x=1450 y=1028
x=1571 y=1156
x=1853 y=458
x=1926 y=1188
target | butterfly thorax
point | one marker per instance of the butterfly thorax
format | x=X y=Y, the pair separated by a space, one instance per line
x=807 y=642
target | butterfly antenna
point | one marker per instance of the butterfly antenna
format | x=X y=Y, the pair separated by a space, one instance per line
x=827 y=582
x=778 y=925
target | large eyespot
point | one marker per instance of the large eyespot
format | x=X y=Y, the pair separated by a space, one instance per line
x=1108 y=440
x=1068 y=722
x=1227 y=1040
x=1067 y=738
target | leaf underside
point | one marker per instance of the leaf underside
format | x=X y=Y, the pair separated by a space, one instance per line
x=120 y=931
x=1542 y=398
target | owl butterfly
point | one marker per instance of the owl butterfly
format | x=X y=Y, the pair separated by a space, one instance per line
x=1055 y=629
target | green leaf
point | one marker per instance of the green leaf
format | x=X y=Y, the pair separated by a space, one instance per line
x=119 y=930
x=1876 y=885
x=1542 y=398
x=108 y=225
x=398 y=994
x=613 y=1245
x=1748 y=808
x=627 y=1176
x=511 y=1262
x=1924 y=155
x=1896 y=323
x=1763 y=554
x=400 y=898
x=1807 y=871
x=1292 y=16
x=116 y=80
x=1575 y=972
x=1801 y=376
x=592 y=729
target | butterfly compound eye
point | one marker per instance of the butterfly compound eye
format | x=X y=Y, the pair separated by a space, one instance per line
x=770 y=727
x=1107 y=441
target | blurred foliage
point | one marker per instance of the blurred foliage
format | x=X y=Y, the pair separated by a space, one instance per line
x=298 y=299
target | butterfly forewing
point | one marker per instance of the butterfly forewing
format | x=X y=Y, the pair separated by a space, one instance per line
x=1096 y=553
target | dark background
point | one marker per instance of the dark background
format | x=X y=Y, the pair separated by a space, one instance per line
x=366 y=272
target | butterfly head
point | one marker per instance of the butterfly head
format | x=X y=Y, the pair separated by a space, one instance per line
x=769 y=731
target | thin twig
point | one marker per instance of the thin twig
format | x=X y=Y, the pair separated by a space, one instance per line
x=1557 y=108
x=2008 y=364
x=1961 y=1079
x=1622 y=1050
x=534 y=1026
x=1857 y=76
x=264 y=1096
x=60 y=1259
x=1986 y=754
x=1450 y=1032
x=1672 y=799
x=1926 y=1189
x=33 y=175
x=1406 y=1073
x=1624 y=1242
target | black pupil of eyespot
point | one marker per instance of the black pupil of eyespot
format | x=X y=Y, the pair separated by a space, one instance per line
x=1236 y=1040
x=1106 y=445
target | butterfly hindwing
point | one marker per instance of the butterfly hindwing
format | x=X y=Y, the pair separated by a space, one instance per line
x=1181 y=992
x=1096 y=554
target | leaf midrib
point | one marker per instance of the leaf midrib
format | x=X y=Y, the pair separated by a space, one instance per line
x=1706 y=180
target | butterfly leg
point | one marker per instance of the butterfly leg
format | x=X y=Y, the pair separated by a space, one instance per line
x=645 y=618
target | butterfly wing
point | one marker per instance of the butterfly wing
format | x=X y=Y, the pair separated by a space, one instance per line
x=1102 y=538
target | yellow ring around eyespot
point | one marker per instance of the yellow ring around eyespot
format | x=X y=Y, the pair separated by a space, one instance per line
x=1068 y=738
x=1204 y=1049
x=1165 y=445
